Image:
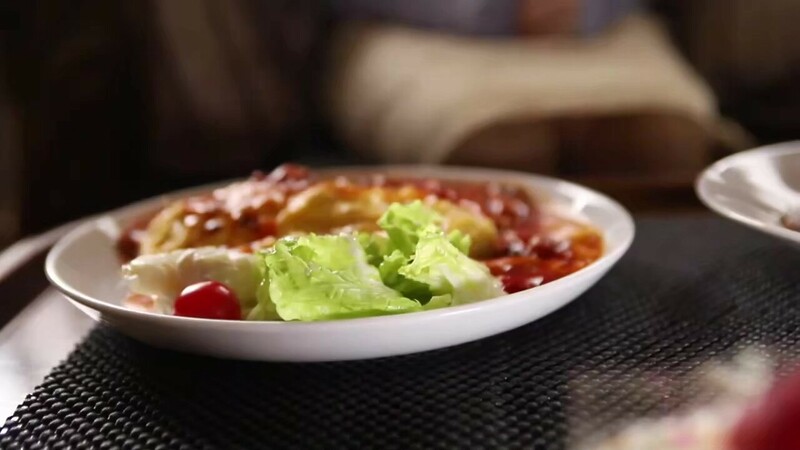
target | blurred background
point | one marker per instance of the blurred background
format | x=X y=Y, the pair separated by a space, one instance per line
x=105 y=102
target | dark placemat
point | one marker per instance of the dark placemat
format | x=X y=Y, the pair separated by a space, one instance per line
x=690 y=290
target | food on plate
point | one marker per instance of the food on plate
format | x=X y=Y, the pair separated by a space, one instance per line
x=209 y=299
x=294 y=246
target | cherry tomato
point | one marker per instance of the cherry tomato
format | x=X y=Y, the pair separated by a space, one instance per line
x=208 y=300
x=772 y=423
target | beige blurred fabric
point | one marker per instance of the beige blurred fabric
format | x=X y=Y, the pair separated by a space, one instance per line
x=411 y=96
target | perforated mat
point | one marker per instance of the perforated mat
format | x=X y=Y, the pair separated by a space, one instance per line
x=689 y=291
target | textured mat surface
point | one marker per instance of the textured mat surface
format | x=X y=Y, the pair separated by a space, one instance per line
x=689 y=291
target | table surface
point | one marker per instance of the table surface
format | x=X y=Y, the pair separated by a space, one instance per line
x=35 y=341
x=624 y=350
x=40 y=335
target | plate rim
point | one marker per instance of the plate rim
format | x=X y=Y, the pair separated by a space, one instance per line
x=606 y=260
x=703 y=181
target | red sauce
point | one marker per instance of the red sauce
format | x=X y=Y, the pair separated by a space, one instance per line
x=546 y=260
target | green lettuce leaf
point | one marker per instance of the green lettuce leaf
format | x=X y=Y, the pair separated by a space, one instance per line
x=328 y=277
x=460 y=240
x=389 y=271
x=408 y=225
x=403 y=222
x=439 y=301
x=447 y=271
x=375 y=245
x=265 y=309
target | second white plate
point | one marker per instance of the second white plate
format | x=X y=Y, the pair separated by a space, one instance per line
x=756 y=188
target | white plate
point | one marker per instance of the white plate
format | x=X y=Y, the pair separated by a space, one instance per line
x=755 y=188
x=85 y=267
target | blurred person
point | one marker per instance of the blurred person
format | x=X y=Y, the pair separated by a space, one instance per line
x=588 y=89
x=122 y=100
x=493 y=17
